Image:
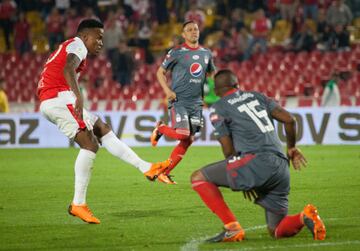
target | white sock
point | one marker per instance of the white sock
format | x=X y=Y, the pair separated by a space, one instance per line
x=119 y=149
x=83 y=167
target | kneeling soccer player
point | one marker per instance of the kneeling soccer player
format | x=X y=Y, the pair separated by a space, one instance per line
x=255 y=163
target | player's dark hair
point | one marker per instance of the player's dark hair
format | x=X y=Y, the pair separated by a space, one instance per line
x=188 y=22
x=231 y=75
x=223 y=71
x=89 y=24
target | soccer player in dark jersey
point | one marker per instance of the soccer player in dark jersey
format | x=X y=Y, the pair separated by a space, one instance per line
x=189 y=65
x=255 y=162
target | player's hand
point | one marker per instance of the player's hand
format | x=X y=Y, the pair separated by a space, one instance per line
x=297 y=158
x=170 y=95
x=79 y=106
x=250 y=195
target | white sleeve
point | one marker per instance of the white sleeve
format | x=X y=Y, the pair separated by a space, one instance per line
x=252 y=25
x=78 y=48
x=268 y=23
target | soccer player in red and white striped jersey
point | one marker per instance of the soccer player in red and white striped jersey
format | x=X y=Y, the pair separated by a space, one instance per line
x=62 y=104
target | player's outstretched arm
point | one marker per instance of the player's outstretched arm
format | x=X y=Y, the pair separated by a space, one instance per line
x=72 y=63
x=296 y=157
x=161 y=77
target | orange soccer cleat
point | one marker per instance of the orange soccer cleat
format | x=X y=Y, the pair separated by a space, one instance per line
x=233 y=232
x=165 y=178
x=313 y=222
x=156 y=135
x=83 y=212
x=156 y=169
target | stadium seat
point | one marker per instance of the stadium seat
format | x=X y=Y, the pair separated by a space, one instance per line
x=345 y=100
x=305 y=101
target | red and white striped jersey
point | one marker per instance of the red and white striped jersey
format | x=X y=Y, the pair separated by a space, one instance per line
x=52 y=78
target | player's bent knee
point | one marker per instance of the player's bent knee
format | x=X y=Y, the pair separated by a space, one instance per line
x=183 y=134
x=101 y=128
x=197 y=176
x=93 y=148
x=86 y=140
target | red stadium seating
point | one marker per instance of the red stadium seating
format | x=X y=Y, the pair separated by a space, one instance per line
x=275 y=73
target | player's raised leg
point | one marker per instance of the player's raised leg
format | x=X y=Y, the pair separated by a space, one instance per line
x=120 y=150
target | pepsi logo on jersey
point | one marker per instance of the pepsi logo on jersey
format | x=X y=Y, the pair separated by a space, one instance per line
x=196 y=69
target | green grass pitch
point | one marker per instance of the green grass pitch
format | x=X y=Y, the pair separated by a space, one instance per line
x=36 y=186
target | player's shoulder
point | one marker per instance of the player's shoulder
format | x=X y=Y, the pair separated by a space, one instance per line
x=202 y=48
x=176 y=48
x=219 y=105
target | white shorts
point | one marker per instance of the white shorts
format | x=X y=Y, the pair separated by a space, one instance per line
x=60 y=111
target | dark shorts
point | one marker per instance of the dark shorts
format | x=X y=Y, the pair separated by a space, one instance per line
x=266 y=173
x=185 y=117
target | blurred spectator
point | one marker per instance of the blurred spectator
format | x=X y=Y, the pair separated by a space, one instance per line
x=62 y=5
x=302 y=40
x=123 y=64
x=354 y=5
x=72 y=22
x=260 y=29
x=112 y=34
x=161 y=12
x=179 y=7
x=45 y=7
x=122 y=19
x=323 y=39
x=4 y=104
x=237 y=19
x=243 y=40
x=54 y=25
x=273 y=11
x=139 y=7
x=197 y=15
x=339 y=39
x=287 y=9
x=339 y=14
x=7 y=18
x=254 y=5
x=88 y=13
x=22 y=34
x=311 y=9
x=297 y=24
x=331 y=95
x=321 y=23
x=143 y=37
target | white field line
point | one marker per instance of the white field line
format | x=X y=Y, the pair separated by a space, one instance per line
x=193 y=244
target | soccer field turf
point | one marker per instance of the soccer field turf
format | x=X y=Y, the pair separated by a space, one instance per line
x=36 y=186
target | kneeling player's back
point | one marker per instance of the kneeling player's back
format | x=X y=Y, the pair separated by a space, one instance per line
x=247 y=117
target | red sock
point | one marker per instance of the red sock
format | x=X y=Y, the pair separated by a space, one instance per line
x=289 y=226
x=178 y=153
x=179 y=134
x=214 y=200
